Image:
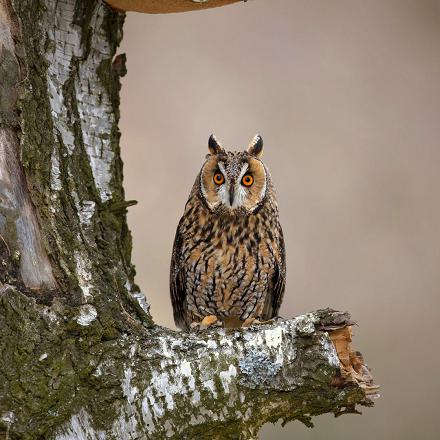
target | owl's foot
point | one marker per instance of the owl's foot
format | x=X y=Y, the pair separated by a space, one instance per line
x=207 y=321
x=254 y=321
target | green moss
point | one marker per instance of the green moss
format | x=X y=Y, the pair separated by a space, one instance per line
x=9 y=75
x=45 y=392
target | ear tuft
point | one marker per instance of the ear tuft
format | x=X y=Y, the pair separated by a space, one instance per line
x=255 y=148
x=214 y=145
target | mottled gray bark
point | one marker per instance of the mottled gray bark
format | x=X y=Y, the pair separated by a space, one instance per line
x=69 y=376
x=80 y=355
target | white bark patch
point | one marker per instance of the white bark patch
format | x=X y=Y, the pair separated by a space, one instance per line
x=142 y=301
x=84 y=275
x=87 y=314
x=138 y=296
x=195 y=398
x=210 y=385
x=274 y=337
x=133 y=349
x=8 y=417
x=86 y=211
x=171 y=382
x=65 y=39
x=165 y=350
x=95 y=110
x=226 y=341
x=253 y=340
x=130 y=392
x=305 y=324
x=196 y=420
x=55 y=181
x=211 y=344
x=226 y=377
x=185 y=371
x=80 y=428
x=331 y=352
x=125 y=426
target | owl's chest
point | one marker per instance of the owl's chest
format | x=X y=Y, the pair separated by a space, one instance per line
x=229 y=260
x=220 y=246
x=227 y=267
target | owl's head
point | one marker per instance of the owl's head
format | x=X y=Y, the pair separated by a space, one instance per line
x=234 y=182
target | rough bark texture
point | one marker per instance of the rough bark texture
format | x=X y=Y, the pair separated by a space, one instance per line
x=80 y=357
x=86 y=381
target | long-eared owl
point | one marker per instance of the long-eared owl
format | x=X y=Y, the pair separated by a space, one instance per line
x=228 y=263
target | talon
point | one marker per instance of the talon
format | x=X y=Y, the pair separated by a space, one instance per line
x=208 y=321
x=254 y=321
x=249 y=321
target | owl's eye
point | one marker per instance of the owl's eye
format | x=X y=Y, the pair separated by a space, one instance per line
x=219 y=179
x=247 y=180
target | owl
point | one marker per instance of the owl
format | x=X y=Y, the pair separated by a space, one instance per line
x=228 y=265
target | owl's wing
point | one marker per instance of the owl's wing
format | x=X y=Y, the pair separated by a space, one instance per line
x=177 y=284
x=277 y=285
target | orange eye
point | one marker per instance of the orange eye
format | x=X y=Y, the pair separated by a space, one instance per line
x=219 y=178
x=247 y=180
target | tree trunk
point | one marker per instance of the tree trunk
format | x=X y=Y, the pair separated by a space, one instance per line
x=80 y=355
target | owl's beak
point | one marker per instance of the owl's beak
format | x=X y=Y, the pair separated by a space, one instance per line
x=231 y=195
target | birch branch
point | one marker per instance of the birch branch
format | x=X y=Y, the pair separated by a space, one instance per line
x=227 y=384
x=150 y=383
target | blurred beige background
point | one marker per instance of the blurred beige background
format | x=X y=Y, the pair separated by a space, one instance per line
x=346 y=95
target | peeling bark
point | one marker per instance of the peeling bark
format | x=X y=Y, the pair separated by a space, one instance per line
x=80 y=356
x=21 y=239
x=17 y=218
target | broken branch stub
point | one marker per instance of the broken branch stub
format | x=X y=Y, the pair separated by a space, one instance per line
x=352 y=366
